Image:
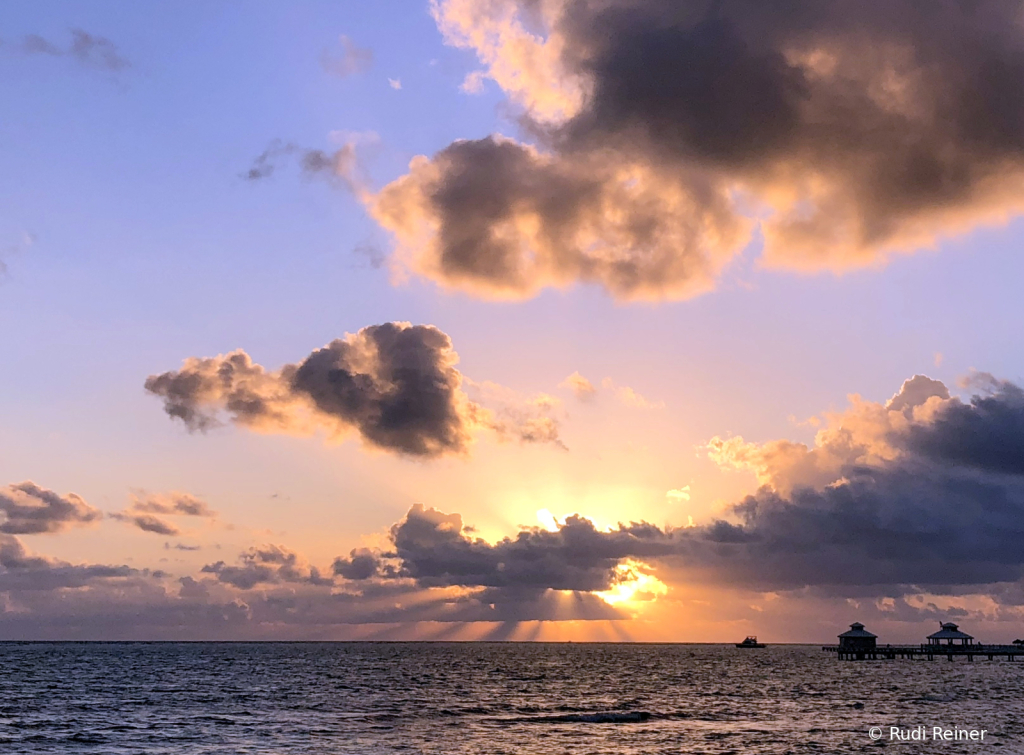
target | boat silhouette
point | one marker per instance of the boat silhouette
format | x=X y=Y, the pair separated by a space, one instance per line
x=750 y=642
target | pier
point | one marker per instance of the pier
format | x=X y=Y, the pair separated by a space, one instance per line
x=927 y=652
x=857 y=644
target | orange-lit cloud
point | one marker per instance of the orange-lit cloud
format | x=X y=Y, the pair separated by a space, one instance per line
x=395 y=385
x=584 y=390
x=850 y=131
x=144 y=507
x=29 y=510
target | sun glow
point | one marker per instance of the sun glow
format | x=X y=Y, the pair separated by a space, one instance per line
x=548 y=520
x=633 y=584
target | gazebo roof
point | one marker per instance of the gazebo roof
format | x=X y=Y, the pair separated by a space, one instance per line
x=857 y=630
x=950 y=631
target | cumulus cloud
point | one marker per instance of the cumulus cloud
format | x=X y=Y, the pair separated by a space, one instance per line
x=880 y=505
x=264 y=565
x=849 y=130
x=503 y=219
x=986 y=434
x=144 y=506
x=346 y=59
x=395 y=385
x=29 y=510
x=85 y=48
x=926 y=489
x=361 y=563
x=434 y=549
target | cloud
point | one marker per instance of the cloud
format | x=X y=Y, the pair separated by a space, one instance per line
x=395 y=385
x=144 y=506
x=664 y=133
x=504 y=220
x=340 y=167
x=435 y=551
x=630 y=397
x=22 y=572
x=347 y=59
x=880 y=505
x=395 y=83
x=679 y=494
x=85 y=48
x=175 y=502
x=30 y=510
x=924 y=490
x=915 y=504
x=150 y=523
x=361 y=564
x=513 y=416
x=987 y=434
x=474 y=82
x=582 y=388
x=265 y=565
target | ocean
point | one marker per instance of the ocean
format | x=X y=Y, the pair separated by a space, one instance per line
x=491 y=698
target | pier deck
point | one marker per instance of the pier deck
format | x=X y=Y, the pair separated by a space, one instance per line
x=928 y=652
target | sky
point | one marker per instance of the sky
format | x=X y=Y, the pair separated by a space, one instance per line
x=519 y=319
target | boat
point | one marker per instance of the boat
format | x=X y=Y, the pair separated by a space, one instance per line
x=750 y=642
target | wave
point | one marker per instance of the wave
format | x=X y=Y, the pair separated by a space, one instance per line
x=601 y=717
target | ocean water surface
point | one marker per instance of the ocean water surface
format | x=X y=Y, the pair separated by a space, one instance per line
x=462 y=698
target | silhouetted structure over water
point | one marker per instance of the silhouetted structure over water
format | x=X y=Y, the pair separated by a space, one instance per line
x=857 y=640
x=950 y=634
x=858 y=644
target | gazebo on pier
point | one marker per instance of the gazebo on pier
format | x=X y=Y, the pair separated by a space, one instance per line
x=858 y=644
x=856 y=641
x=950 y=634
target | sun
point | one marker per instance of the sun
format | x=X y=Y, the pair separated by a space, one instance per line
x=634 y=584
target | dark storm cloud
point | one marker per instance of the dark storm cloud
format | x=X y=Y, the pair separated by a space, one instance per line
x=901 y=525
x=925 y=490
x=395 y=384
x=434 y=549
x=986 y=434
x=361 y=564
x=864 y=127
x=30 y=509
x=87 y=49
